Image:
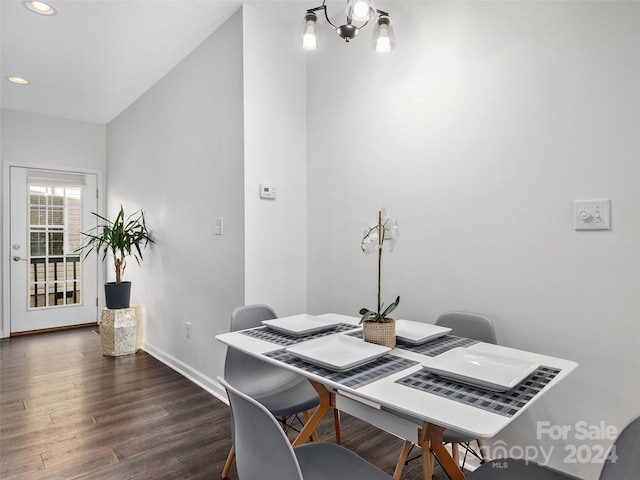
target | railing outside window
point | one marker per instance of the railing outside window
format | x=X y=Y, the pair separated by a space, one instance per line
x=64 y=290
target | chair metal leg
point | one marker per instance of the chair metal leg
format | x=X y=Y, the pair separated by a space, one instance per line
x=401 y=461
x=227 y=465
x=483 y=451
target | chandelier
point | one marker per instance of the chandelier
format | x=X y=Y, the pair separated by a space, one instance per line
x=359 y=11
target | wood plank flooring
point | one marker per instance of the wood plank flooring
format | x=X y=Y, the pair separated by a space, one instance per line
x=67 y=412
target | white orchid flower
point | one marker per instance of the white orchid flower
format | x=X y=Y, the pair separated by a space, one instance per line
x=371 y=235
x=375 y=234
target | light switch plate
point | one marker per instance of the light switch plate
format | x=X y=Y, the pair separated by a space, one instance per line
x=591 y=214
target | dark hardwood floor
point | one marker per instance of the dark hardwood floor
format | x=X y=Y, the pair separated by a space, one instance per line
x=68 y=412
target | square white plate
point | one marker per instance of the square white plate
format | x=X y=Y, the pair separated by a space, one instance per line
x=300 y=324
x=418 y=332
x=488 y=370
x=338 y=352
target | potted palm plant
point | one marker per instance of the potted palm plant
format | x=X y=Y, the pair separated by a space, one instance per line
x=123 y=237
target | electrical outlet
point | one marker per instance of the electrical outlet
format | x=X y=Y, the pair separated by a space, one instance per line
x=188 y=330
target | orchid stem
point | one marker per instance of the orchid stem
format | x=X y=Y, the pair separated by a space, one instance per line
x=380 y=240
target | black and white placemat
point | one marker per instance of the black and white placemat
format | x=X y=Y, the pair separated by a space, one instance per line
x=264 y=333
x=503 y=403
x=432 y=347
x=354 y=378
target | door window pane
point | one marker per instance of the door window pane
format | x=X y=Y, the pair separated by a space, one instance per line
x=54 y=235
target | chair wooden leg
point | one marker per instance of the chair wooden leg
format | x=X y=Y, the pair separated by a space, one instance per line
x=314 y=434
x=227 y=465
x=427 y=459
x=433 y=442
x=336 y=421
x=319 y=412
x=404 y=453
x=455 y=452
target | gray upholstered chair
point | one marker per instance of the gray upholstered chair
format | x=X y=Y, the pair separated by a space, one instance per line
x=469 y=325
x=623 y=463
x=477 y=327
x=282 y=392
x=264 y=452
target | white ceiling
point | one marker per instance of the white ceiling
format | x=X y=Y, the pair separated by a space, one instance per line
x=94 y=58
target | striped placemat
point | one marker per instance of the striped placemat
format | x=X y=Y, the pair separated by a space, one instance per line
x=503 y=403
x=264 y=333
x=353 y=378
x=433 y=347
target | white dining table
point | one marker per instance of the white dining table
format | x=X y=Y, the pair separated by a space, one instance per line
x=389 y=402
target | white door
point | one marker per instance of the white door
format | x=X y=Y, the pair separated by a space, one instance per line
x=51 y=286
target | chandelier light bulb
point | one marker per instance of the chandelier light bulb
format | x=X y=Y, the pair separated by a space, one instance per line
x=383 y=44
x=361 y=10
x=309 y=34
x=384 y=40
x=309 y=40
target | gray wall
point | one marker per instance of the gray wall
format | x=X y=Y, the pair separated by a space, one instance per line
x=177 y=152
x=275 y=125
x=478 y=132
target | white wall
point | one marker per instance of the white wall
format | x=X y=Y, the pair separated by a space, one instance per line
x=44 y=142
x=275 y=153
x=177 y=152
x=477 y=133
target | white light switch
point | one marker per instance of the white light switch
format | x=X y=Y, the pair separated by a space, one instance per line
x=267 y=191
x=218 y=224
x=591 y=214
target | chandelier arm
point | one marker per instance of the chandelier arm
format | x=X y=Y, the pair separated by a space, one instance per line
x=326 y=15
x=323 y=7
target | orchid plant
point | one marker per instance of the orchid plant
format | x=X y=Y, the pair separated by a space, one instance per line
x=375 y=234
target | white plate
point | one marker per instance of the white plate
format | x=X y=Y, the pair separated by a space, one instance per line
x=418 y=332
x=338 y=352
x=300 y=324
x=488 y=370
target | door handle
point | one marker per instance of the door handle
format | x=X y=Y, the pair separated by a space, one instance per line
x=17 y=259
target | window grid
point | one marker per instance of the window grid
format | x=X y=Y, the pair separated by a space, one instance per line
x=54 y=236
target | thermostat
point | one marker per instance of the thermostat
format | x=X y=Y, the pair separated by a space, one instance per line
x=267 y=191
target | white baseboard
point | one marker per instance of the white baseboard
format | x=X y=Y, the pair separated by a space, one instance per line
x=203 y=381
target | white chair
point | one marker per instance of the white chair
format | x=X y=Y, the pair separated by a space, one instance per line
x=477 y=327
x=282 y=392
x=264 y=452
x=469 y=325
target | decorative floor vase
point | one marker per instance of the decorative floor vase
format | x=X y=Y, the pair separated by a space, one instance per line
x=120 y=331
x=380 y=333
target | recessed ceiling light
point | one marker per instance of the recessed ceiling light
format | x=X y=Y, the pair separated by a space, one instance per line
x=18 y=80
x=40 y=7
